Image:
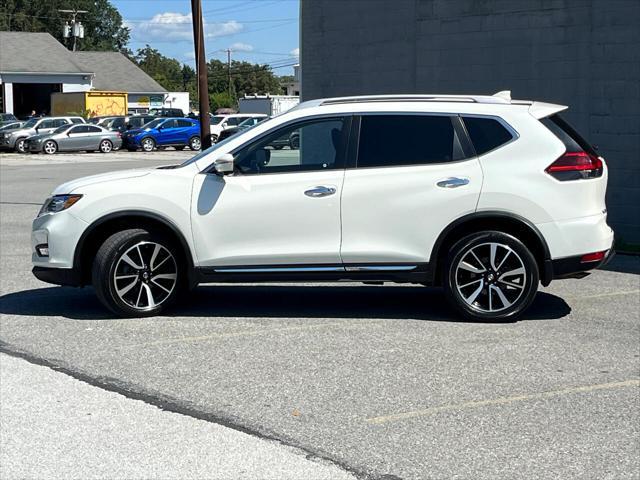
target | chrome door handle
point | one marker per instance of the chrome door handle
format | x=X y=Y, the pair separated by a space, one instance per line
x=320 y=191
x=453 y=182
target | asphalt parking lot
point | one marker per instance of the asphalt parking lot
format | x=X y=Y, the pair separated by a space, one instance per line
x=382 y=381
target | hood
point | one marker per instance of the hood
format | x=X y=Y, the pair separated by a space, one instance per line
x=75 y=185
x=20 y=131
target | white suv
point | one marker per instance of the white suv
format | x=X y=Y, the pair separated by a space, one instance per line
x=222 y=122
x=482 y=195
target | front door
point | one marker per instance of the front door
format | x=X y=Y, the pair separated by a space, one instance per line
x=415 y=174
x=281 y=207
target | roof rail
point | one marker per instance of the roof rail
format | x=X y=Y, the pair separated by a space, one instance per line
x=498 y=99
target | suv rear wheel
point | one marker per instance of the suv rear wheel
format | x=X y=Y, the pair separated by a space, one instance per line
x=137 y=273
x=490 y=276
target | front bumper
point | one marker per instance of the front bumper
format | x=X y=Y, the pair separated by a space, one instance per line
x=60 y=232
x=58 y=276
x=7 y=143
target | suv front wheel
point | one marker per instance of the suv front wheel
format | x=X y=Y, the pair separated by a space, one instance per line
x=137 y=273
x=490 y=276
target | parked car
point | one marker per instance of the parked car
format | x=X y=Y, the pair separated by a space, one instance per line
x=14 y=139
x=72 y=137
x=123 y=123
x=166 y=112
x=11 y=125
x=242 y=126
x=222 y=122
x=6 y=118
x=483 y=196
x=164 y=132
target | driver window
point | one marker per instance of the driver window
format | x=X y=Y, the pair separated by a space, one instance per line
x=308 y=146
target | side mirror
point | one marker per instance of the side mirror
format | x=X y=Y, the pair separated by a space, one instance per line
x=224 y=164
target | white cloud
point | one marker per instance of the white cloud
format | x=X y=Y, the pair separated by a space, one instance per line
x=170 y=26
x=241 y=47
x=295 y=52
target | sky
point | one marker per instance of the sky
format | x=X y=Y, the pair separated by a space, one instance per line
x=257 y=31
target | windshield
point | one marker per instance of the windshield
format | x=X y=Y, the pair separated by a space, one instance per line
x=250 y=122
x=31 y=123
x=62 y=128
x=216 y=120
x=154 y=123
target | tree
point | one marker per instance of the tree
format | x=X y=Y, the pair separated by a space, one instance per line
x=168 y=72
x=104 y=30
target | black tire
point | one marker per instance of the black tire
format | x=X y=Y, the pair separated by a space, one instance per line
x=214 y=138
x=20 y=146
x=194 y=143
x=468 y=271
x=136 y=286
x=294 y=143
x=148 y=144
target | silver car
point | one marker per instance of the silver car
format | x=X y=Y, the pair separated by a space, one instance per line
x=15 y=139
x=70 y=138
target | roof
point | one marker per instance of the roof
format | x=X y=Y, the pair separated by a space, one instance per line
x=114 y=71
x=36 y=52
x=537 y=109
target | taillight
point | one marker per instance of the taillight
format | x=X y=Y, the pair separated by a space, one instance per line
x=576 y=166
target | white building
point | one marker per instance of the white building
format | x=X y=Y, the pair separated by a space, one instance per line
x=35 y=65
x=293 y=88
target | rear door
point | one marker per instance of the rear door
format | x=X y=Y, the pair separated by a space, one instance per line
x=168 y=133
x=414 y=175
x=183 y=130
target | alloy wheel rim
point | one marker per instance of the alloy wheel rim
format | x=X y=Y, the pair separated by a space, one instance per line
x=145 y=275
x=148 y=145
x=195 y=144
x=21 y=146
x=105 y=146
x=49 y=147
x=490 y=277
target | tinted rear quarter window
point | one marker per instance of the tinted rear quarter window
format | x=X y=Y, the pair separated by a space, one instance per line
x=400 y=140
x=486 y=134
x=572 y=140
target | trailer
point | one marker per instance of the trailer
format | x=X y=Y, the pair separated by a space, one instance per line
x=89 y=104
x=271 y=105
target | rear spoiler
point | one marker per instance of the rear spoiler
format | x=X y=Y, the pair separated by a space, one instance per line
x=541 y=109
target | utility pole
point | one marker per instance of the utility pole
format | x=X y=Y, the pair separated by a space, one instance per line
x=229 y=69
x=201 y=68
x=73 y=29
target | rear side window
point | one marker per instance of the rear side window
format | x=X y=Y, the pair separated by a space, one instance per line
x=184 y=123
x=76 y=120
x=572 y=140
x=400 y=140
x=92 y=129
x=486 y=134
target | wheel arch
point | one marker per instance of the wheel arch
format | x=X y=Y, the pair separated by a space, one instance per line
x=100 y=229
x=506 y=222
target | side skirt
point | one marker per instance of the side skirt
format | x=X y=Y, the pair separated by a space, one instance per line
x=380 y=272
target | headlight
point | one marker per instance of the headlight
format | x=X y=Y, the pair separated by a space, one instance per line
x=58 y=203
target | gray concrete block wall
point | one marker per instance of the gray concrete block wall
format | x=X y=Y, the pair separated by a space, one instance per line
x=582 y=53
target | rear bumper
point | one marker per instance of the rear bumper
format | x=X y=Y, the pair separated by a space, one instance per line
x=573 y=267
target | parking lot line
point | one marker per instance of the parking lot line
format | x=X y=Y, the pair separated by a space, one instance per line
x=499 y=401
x=216 y=336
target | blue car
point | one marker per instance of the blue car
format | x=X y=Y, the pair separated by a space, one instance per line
x=164 y=132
